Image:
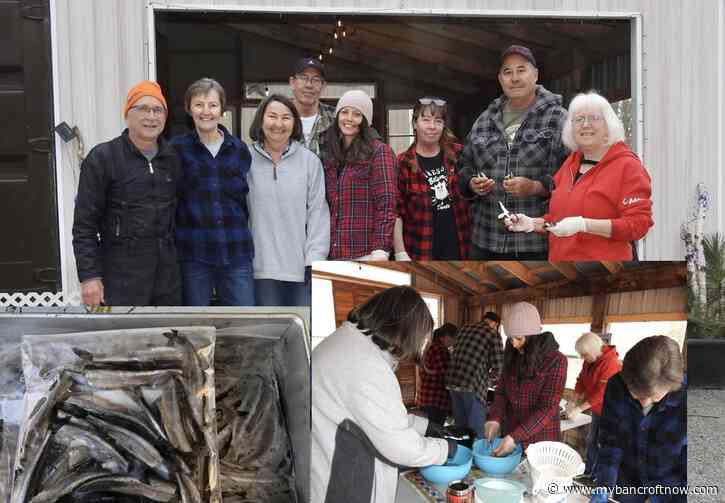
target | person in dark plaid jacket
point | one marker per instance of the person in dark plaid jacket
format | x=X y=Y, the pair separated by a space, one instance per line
x=529 y=391
x=643 y=429
x=513 y=150
x=433 y=216
x=360 y=181
x=432 y=397
x=475 y=365
x=212 y=220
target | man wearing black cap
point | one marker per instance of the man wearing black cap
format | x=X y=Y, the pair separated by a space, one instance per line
x=307 y=83
x=511 y=153
x=475 y=364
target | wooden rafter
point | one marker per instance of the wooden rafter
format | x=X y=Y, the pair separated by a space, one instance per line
x=518 y=270
x=454 y=274
x=430 y=275
x=566 y=268
x=479 y=270
x=612 y=267
x=661 y=275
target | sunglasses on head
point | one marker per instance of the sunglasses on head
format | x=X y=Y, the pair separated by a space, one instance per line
x=439 y=102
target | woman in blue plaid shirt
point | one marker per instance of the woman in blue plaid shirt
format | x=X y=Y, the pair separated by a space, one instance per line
x=643 y=428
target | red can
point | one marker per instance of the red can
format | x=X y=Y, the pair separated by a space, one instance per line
x=459 y=492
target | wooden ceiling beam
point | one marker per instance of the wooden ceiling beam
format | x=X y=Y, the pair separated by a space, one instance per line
x=566 y=268
x=612 y=267
x=661 y=275
x=518 y=270
x=418 y=268
x=479 y=270
x=454 y=274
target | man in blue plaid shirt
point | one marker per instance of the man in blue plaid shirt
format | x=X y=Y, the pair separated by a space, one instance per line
x=643 y=428
x=513 y=150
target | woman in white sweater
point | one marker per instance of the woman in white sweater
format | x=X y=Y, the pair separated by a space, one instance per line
x=361 y=431
x=289 y=217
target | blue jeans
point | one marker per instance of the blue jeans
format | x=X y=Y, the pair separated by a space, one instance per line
x=468 y=411
x=234 y=285
x=270 y=292
x=592 y=445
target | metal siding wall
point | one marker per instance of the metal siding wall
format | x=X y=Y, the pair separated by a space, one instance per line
x=102 y=52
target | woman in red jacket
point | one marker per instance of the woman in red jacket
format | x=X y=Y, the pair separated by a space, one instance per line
x=602 y=200
x=529 y=390
x=601 y=362
x=433 y=217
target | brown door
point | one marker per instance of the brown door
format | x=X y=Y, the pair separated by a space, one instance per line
x=28 y=224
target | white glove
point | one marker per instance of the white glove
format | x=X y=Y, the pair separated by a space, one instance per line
x=379 y=255
x=402 y=257
x=572 y=411
x=568 y=227
x=518 y=222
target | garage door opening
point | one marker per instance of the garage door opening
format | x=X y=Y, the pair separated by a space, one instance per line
x=397 y=58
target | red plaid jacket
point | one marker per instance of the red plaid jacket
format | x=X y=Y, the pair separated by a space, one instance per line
x=531 y=408
x=362 y=198
x=415 y=208
x=432 y=391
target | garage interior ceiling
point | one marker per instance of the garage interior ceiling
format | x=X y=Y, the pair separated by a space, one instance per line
x=446 y=54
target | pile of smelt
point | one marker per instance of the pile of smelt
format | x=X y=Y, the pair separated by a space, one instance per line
x=129 y=427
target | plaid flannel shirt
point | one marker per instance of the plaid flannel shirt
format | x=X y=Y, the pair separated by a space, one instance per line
x=642 y=451
x=537 y=152
x=212 y=220
x=432 y=391
x=530 y=408
x=416 y=210
x=362 y=200
x=477 y=360
x=319 y=130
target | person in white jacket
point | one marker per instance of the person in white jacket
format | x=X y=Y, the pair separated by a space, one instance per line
x=361 y=431
x=289 y=216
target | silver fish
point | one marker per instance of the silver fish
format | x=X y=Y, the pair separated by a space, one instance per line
x=115 y=379
x=187 y=489
x=156 y=357
x=36 y=434
x=106 y=455
x=158 y=491
x=195 y=379
x=133 y=444
x=64 y=487
x=170 y=410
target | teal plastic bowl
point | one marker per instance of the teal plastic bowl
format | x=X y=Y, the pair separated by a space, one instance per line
x=455 y=469
x=495 y=466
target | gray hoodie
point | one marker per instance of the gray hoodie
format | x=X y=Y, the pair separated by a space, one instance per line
x=289 y=217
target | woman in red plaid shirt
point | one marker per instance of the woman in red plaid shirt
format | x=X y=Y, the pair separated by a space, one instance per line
x=433 y=398
x=360 y=182
x=434 y=220
x=529 y=391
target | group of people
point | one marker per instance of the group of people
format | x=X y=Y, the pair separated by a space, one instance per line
x=164 y=223
x=362 y=432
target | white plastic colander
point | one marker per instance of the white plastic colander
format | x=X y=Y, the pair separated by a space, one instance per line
x=553 y=465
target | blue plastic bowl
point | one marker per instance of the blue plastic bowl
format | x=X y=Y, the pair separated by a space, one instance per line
x=495 y=466
x=455 y=469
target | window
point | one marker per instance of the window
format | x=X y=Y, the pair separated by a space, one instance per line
x=323 y=310
x=400 y=128
x=363 y=271
x=434 y=306
x=566 y=335
x=627 y=334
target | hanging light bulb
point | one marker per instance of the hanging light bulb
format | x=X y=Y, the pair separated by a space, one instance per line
x=339 y=23
x=330 y=50
x=335 y=35
x=320 y=57
x=344 y=33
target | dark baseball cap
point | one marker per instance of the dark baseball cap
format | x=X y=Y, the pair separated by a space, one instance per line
x=309 y=62
x=522 y=51
x=490 y=315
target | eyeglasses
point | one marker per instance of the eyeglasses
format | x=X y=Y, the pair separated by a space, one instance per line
x=439 y=102
x=147 y=110
x=593 y=119
x=315 y=81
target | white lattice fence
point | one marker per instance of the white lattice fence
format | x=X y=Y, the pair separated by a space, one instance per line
x=31 y=299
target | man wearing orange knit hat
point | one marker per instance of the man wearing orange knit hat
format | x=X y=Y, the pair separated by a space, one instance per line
x=123 y=227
